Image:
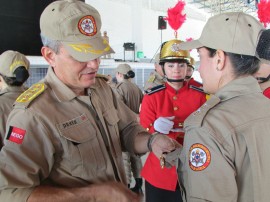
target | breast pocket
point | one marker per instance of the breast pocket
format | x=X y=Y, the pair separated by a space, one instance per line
x=83 y=151
x=111 y=118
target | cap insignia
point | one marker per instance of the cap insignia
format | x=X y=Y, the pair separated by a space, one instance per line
x=174 y=47
x=17 y=64
x=86 y=48
x=199 y=157
x=87 y=25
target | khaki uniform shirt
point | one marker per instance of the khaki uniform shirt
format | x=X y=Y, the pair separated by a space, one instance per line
x=56 y=138
x=7 y=99
x=154 y=80
x=130 y=94
x=225 y=154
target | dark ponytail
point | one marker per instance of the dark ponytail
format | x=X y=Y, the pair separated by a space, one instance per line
x=129 y=74
x=22 y=75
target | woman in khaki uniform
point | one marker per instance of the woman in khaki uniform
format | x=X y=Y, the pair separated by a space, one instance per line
x=13 y=73
x=225 y=152
x=132 y=96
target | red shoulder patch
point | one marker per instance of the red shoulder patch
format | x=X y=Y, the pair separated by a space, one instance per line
x=16 y=134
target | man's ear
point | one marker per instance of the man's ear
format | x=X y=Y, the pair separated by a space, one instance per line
x=49 y=55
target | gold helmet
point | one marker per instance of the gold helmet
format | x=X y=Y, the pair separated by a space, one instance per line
x=191 y=62
x=170 y=51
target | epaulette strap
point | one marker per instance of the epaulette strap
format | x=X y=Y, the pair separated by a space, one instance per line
x=151 y=78
x=155 y=89
x=30 y=94
x=197 y=89
x=105 y=77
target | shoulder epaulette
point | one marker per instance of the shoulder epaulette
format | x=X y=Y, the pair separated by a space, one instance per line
x=152 y=78
x=30 y=94
x=102 y=76
x=155 y=89
x=197 y=88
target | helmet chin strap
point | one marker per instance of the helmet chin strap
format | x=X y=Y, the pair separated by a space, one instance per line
x=263 y=79
x=175 y=80
x=188 y=77
x=171 y=80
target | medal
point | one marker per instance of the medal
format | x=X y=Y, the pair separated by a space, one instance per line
x=162 y=161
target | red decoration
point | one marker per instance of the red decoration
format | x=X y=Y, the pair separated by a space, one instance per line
x=175 y=17
x=264 y=12
x=189 y=39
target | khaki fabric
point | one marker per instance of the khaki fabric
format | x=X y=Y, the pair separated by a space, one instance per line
x=63 y=144
x=132 y=96
x=77 y=26
x=7 y=99
x=230 y=136
x=123 y=68
x=233 y=32
x=154 y=80
x=10 y=61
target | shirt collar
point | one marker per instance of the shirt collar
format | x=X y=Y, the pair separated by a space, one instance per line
x=12 y=89
x=238 y=87
x=61 y=91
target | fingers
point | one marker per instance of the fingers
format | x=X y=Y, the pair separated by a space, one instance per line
x=114 y=191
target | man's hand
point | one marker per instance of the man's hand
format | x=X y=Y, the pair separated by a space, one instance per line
x=172 y=158
x=162 y=143
x=114 y=191
x=103 y=192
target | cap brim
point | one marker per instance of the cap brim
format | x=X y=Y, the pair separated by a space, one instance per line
x=189 y=45
x=91 y=49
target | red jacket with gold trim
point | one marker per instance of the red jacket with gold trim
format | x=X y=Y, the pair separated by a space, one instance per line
x=193 y=82
x=167 y=102
x=266 y=92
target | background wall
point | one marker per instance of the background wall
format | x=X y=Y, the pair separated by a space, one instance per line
x=135 y=21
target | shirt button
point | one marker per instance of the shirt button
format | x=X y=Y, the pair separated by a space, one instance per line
x=147 y=129
x=175 y=97
x=151 y=124
x=175 y=108
x=180 y=124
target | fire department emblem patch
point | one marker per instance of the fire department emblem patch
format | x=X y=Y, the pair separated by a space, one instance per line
x=87 y=25
x=199 y=157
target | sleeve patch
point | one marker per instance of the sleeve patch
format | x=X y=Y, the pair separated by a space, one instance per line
x=199 y=157
x=16 y=135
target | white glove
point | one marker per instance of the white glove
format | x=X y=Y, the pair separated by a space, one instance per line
x=164 y=124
